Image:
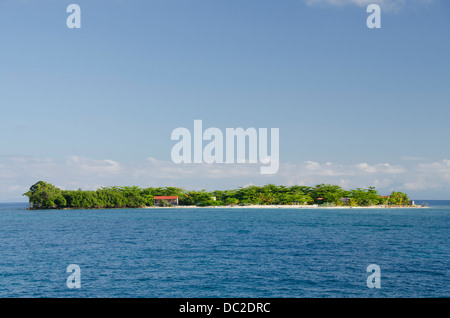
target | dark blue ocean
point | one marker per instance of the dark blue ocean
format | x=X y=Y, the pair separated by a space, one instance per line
x=225 y=252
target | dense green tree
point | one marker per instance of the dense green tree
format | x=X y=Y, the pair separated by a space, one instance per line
x=383 y=200
x=398 y=198
x=329 y=193
x=45 y=195
x=364 y=197
x=231 y=201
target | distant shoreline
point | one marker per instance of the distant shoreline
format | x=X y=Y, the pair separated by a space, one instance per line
x=43 y=195
x=315 y=206
x=290 y=207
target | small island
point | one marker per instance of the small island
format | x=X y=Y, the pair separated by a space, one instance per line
x=43 y=195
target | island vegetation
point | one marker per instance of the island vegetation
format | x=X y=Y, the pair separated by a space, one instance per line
x=43 y=195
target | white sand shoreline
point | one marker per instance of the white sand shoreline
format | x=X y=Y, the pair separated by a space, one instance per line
x=315 y=206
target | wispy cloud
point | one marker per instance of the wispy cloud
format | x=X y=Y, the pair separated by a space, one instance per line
x=18 y=173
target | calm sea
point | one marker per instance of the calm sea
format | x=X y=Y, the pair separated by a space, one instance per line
x=225 y=252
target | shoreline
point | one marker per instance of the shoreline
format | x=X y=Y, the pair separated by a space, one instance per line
x=315 y=206
x=300 y=207
x=45 y=196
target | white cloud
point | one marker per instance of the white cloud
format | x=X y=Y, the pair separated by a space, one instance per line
x=439 y=166
x=431 y=175
x=18 y=173
x=85 y=166
x=380 y=175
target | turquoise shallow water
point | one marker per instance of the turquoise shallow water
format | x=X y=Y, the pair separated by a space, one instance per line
x=224 y=252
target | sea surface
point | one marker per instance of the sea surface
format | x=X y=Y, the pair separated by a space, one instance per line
x=239 y=253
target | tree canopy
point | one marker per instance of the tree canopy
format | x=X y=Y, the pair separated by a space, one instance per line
x=43 y=195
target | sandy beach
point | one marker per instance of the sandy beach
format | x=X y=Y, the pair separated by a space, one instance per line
x=315 y=206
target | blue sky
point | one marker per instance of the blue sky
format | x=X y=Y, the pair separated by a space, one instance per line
x=96 y=106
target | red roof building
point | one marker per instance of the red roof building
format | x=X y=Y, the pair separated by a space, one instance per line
x=165 y=197
x=169 y=199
